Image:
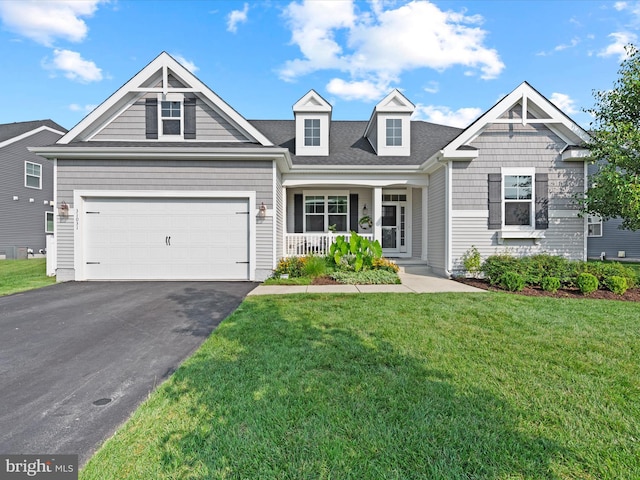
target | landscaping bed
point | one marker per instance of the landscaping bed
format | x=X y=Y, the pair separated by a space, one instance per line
x=631 y=295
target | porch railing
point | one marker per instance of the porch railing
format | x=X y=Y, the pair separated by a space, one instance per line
x=300 y=244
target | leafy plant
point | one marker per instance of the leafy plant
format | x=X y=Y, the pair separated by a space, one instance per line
x=550 y=284
x=357 y=252
x=495 y=266
x=472 y=261
x=512 y=281
x=314 y=266
x=291 y=266
x=384 y=264
x=587 y=283
x=616 y=284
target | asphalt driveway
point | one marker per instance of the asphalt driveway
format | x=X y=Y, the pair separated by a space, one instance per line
x=76 y=359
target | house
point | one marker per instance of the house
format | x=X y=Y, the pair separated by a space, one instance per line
x=165 y=180
x=606 y=240
x=26 y=187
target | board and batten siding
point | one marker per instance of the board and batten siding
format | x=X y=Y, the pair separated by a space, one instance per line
x=22 y=222
x=516 y=146
x=164 y=175
x=436 y=215
x=210 y=125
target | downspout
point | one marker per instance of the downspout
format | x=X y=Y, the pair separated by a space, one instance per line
x=448 y=218
x=585 y=217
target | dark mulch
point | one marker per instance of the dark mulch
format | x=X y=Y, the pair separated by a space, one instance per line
x=324 y=280
x=631 y=295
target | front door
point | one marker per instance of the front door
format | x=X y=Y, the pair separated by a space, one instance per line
x=394 y=227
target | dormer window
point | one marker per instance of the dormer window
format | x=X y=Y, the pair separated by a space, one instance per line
x=394 y=132
x=171 y=118
x=312 y=132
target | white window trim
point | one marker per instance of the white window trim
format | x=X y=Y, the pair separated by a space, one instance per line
x=170 y=97
x=594 y=220
x=386 y=137
x=46 y=223
x=312 y=128
x=326 y=194
x=39 y=187
x=531 y=172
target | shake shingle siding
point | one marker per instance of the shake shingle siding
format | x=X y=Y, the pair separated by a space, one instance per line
x=517 y=146
x=166 y=175
x=416 y=222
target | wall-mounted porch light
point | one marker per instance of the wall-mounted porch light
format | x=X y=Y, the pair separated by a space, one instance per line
x=365 y=210
x=263 y=210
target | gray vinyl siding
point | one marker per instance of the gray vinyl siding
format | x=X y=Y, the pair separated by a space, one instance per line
x=517 y=146
x=166 y=175
x=614 y=240
x=373 y=134
x=22 y=222
x=210 y=125
x=416 y=222
x=436 y=215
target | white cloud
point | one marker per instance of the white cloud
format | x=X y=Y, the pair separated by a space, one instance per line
x=445 y=116
x=357 y=90
x=44 y=21
x=558 y=48
x=620 y=40
x=73 y=66
x=432 y=87
x=564 y=102
x=74 y=107
x=378 y=46
x=236 y=17
x=620 y=6
x=188 y=64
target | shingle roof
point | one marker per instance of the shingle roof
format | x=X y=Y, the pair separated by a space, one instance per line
x=11 y=130
x=347 y=145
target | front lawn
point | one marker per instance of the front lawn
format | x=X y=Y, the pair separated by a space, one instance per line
x=20 y=275
x=389 y=386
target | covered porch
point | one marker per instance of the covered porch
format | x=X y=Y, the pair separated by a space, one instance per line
x=314 y=215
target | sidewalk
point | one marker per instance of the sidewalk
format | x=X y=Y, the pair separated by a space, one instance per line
x=411 y=283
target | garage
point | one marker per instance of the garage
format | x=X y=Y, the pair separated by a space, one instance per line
x=146 y=238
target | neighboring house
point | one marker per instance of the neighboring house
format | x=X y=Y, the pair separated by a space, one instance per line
x=26 y=186
x=164 y=180
x=606 y=240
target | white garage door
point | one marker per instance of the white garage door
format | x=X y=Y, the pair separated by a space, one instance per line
x=166 y=239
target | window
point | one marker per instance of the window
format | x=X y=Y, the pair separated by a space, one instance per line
x=48 y=222
x=32 y=175
x=394 y=132
x=594 y=226
x=518 y=200
x=312 y=132
x=322 y=211
x=171 y=117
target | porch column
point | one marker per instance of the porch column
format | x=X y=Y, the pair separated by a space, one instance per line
x=377 y=214
x=425 y=223
x=285 y=227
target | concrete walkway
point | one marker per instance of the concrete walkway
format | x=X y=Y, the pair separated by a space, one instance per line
x=419 y=281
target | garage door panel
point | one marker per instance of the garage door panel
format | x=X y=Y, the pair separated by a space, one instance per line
x=166 y=239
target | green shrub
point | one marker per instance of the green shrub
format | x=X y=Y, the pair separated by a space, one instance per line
x=512 y=281
x=366 y=277
x=314 y=266
x=385 y=264
x=495 y=266
x=616 y=284
x=602 y=270
x=550 y=284
x=472 y=261
x=536 y=267
x=587 y=283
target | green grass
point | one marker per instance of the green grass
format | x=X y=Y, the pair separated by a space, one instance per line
x=20 y=275
x=288 y=281
x=384 y=386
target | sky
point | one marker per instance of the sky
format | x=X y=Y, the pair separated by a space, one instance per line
x=453 y=59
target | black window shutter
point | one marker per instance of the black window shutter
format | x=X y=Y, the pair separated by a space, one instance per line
x=189 y=118
x=151 y=114
x=542 y=201
x=495 y=201
x=298 y=213
x=353 y=212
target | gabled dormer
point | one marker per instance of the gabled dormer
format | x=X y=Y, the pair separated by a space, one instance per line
x=389 y=128
x=313 y=117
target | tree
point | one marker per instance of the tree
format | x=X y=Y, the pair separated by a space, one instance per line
x=614 y=190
